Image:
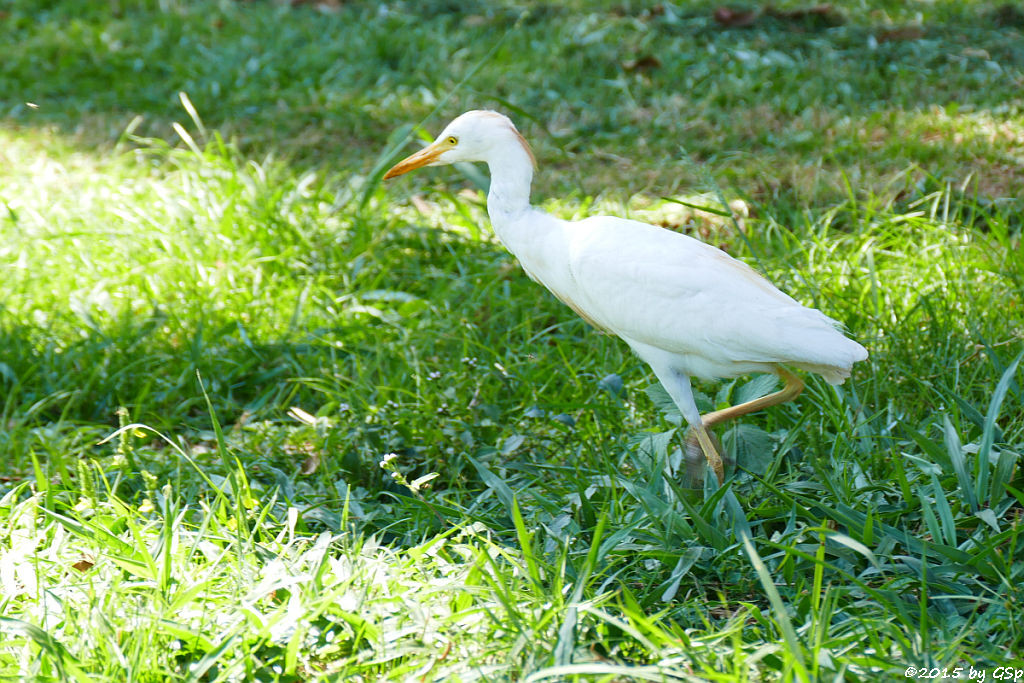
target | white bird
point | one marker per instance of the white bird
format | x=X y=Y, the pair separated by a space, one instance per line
x=686 y=308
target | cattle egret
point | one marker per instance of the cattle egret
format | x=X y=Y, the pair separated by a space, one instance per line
x=686 y=308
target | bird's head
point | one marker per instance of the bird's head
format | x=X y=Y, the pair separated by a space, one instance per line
x=474 y=136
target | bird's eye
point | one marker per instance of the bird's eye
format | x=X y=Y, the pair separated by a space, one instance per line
x=452 y=140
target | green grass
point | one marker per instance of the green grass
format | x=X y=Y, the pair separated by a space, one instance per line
x=265 y=418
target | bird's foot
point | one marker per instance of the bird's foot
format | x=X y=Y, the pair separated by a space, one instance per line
x=698 y=451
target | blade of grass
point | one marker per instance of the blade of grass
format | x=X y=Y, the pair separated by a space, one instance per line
x=988 y=434
x=956 y=456
x=793 y=646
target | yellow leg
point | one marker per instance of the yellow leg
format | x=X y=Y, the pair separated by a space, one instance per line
x=793 y=386
x=711 y=453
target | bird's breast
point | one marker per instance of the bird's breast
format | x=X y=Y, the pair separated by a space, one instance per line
x=562 y=295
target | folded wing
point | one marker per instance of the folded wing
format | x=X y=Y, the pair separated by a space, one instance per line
x=675 y=293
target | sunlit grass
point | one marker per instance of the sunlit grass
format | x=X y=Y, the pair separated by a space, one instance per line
x=552 y=464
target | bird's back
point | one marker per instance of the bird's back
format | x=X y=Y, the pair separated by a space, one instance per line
x=658 y=289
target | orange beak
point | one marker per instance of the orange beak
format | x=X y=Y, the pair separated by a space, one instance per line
x=424 y=157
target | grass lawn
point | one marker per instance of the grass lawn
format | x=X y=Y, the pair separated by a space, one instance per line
x=265 y=418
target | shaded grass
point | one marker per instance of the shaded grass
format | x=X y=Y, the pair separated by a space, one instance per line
x=771 y=109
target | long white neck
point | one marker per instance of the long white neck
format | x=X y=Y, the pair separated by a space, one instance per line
x=537 y=239
x=511 y=174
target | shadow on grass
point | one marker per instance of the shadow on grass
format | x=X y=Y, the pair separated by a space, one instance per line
x=328 y=87
x=88 y=375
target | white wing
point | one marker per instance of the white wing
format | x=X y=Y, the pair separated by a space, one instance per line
x=675 y=293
